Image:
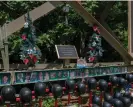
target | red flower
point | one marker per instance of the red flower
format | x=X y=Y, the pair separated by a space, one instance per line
x=95 y=28
x=91 y=59
x=25 y=61
x=24 y=37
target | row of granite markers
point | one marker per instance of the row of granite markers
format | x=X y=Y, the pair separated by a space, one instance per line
x=23 y=77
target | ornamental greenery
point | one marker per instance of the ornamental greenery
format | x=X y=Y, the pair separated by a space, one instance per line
x=95 y=46
x=30 y=53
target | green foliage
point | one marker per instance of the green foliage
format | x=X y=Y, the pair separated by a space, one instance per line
x=11 y=10
x=51 y=29
x=118 y=21
x=49 y=102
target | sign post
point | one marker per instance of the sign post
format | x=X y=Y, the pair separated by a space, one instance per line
x=66 y=52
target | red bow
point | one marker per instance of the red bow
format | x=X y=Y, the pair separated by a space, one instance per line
x=26 y=61
x=33 y=57
x=91 y=59
x=96 y=29
x=91 y=48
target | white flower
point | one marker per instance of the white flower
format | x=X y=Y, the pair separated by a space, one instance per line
x=26 y=24
x=94 y=44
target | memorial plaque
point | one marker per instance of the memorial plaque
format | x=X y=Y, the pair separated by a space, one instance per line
x=66 y=52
